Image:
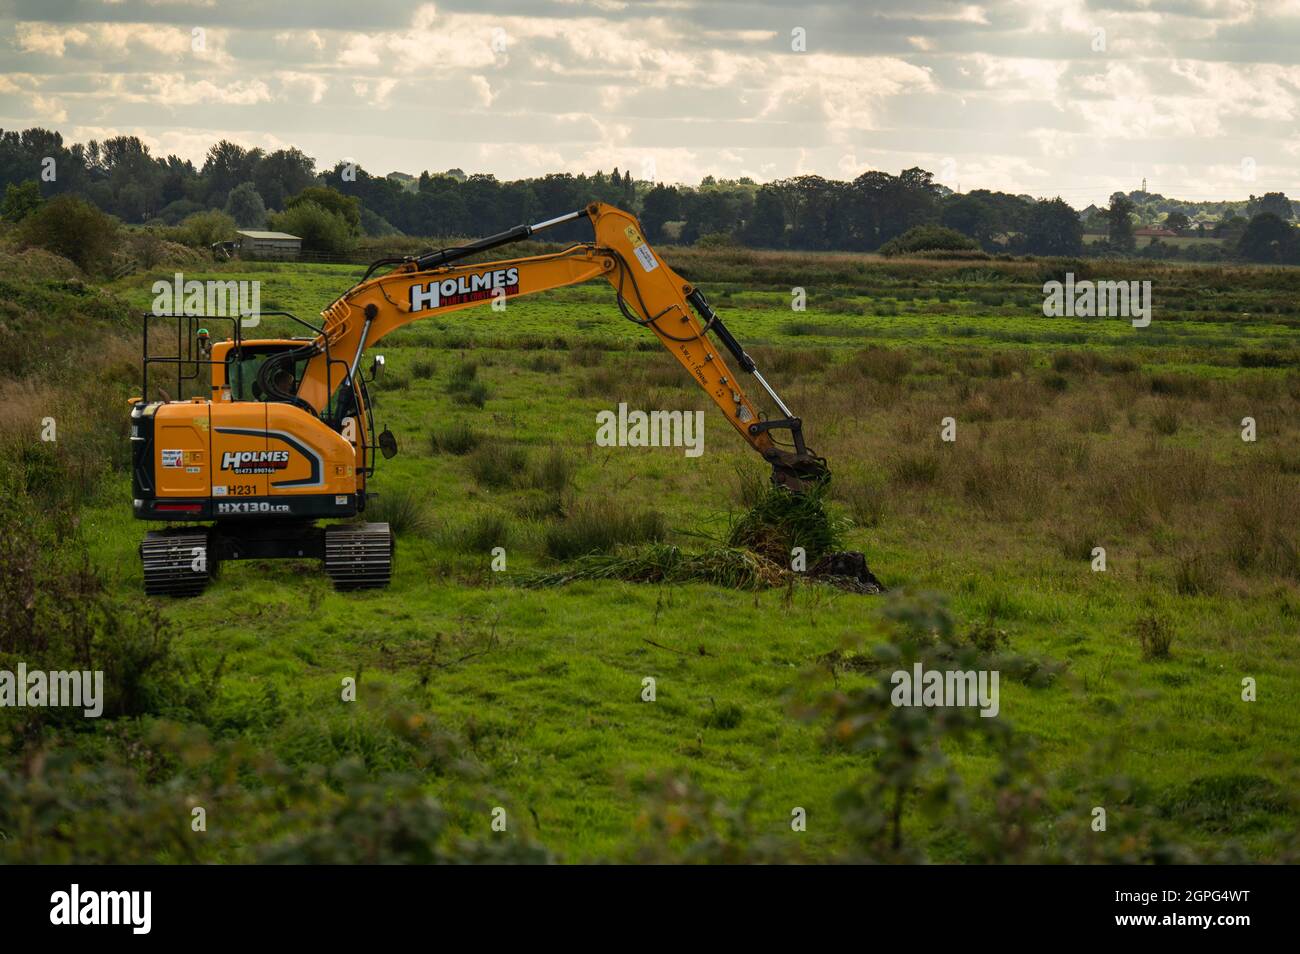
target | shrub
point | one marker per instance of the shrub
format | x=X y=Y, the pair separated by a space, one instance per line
x=203 y=229
x=928 y=238
x=319 y=229
x=598 y=526
x=70 y=226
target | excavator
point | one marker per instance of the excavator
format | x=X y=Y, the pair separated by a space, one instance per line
x=285 y=437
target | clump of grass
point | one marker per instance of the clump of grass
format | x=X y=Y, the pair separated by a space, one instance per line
x=544 y=364
x=781 y=521
x=393 y=382
x=916 y=469
x=456 y=438
x=538 y=505
x=404 y=509
x=423 y=369
x=1195 y=574
x=598 y=526
x=486 y=531
x=496 y=464
x=661 y=563
x=473 y=395
x=1155 y=635
x=586 y=355
x=1165 y=421
x=464 y=386
x=554 y=473
x=724 y=717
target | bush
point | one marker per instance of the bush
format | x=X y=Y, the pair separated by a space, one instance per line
x=319 y=229
x=70 y=226
x=598 y=526
x=21 y=199
x=204 y=229
x=928 y=238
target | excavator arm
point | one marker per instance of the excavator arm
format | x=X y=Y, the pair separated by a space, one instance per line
x=648 y=292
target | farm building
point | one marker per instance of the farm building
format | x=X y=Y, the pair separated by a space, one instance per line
x=268 y=244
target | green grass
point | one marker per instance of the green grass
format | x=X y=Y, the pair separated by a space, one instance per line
x=546 y=682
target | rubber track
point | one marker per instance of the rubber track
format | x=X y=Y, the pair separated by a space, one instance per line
x=168 y=561
x=359 y=557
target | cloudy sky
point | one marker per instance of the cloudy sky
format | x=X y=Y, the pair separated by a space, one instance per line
x=1070 y=97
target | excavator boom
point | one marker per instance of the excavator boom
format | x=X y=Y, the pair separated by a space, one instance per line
x=649 y=293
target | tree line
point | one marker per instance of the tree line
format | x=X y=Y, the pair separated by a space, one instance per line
x=284 y=189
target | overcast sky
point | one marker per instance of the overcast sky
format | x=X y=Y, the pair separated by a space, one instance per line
x=1075 y=98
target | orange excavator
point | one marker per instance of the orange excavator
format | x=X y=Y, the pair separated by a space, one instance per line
x=285 y=439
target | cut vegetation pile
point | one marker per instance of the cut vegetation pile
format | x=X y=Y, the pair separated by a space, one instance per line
x=759 y=553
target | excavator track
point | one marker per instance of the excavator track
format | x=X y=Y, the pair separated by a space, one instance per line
x=176 y=563
x=359 y=557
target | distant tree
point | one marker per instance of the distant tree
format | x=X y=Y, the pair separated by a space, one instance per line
x=662 y=204
x=70 y=226
x=281 y=174
x=1230 y=228
x=1178 y=221
x=1053 y=228
x=245 y=206
x=21 y=199
x=1119 y=223
x=1274 y=202
x=767 y=225
x=1269 y=239
x=346 y=207
x=227 y=165
x=970 y=216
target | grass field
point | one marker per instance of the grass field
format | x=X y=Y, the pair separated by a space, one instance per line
x=1071 y=434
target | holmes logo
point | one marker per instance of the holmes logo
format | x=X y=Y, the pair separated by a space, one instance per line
x=463 y=288
x=254 y=462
